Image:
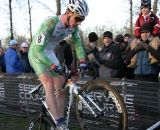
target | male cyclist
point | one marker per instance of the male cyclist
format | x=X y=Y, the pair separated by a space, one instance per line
x=44 y=61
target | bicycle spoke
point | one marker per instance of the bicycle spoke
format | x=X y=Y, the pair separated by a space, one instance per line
x=114 y=118
x=41 y=123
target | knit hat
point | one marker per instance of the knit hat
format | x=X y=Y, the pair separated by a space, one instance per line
x=146 y=28
x=12 y=42
x=107 y=34
x=92 y=37
x=119 y=38
x=24 y=44
x=126 y=35
x=146 y=3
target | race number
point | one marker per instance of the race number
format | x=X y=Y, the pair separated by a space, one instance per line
x=40 y=38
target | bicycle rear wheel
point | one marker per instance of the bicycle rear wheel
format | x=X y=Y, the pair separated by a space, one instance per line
x=108 y=99
x=41 y=123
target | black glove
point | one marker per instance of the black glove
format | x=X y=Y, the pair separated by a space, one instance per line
x=100 y=61
x=137 y=48
x=143 y=44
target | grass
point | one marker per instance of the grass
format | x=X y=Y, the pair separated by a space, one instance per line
x=10 y=122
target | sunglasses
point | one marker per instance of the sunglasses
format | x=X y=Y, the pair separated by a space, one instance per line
x=78 y=19
x=25 y=47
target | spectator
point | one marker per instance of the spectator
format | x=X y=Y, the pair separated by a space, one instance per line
x=146 y=17
x=110 y=57
x=119 y=40
x=126 y=38
x=144 y=70
x=129 y=71
x=63 y=52
x=23 y=55
x=2 y=62
x=12 y=61
x=92 y=53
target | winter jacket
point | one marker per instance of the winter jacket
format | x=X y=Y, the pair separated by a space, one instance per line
x=143 y=66
x=26 y=67
x=112 y=56
x=88 y=50
x=144 y=70
x=63 y=53
x=2 y=63
x=12 y=61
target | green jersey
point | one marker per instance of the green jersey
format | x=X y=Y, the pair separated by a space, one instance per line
x=51 y=31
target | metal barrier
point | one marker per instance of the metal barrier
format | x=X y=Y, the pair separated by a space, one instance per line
x=142 y=99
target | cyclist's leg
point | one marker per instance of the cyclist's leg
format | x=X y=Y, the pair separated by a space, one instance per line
x=49 y=84
x=46 y=78
x=60 y=97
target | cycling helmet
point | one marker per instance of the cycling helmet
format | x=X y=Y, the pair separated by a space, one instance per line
x=78 y=6
x=146 y=3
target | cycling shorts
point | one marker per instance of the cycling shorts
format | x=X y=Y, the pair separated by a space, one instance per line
x=39 y=67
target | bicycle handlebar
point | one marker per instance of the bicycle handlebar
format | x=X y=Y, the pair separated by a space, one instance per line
x=66 y=73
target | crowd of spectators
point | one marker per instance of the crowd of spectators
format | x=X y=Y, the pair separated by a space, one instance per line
x=133 y=58
x=14 y=61
x=113 y=59
x=123 y=57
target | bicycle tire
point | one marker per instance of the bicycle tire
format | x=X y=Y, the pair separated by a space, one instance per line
x=112 y=119
x=41 y=121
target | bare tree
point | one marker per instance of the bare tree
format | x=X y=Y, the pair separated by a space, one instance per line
x=30 y=20
x=47 y=7
x=11 y=20
x=131 y=18
x=155 y=6
x=58 y=7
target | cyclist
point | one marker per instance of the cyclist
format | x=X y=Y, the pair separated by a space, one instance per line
x=44 y=61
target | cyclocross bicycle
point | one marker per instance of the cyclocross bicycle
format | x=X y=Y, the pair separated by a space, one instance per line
x=98 y=106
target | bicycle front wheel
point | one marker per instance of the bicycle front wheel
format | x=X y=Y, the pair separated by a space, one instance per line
x=41 y=123
x=108 y=99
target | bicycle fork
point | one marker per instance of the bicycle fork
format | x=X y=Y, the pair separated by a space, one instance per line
x=84 y=102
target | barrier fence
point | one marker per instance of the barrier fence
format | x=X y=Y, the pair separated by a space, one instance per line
x=142 y=99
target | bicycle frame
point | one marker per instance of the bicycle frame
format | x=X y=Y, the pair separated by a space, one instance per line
x=73 y=90
x=84 y=101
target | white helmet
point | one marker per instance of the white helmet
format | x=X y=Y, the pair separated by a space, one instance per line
x=24 y=44
x=78 y=6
